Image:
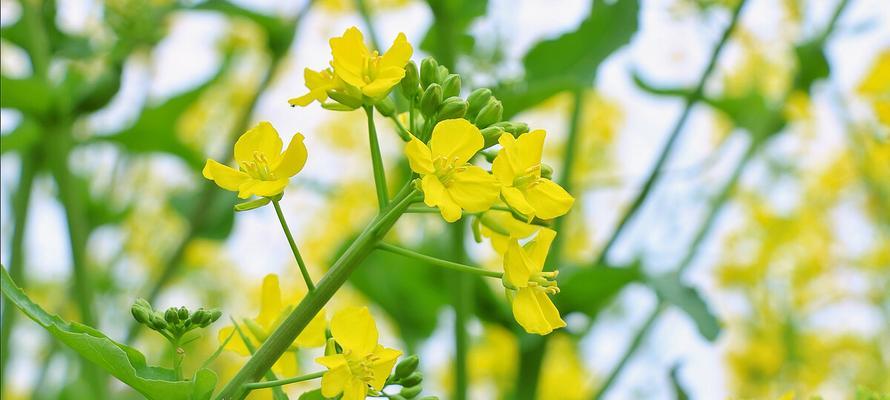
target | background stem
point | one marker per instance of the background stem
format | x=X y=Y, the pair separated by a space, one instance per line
x=462 y=296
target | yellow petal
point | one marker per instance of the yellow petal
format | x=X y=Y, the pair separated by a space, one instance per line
x=385 y=359
x=349 y=52
x=384 y=81
x=509 y=155
x=473 y=189
x=354 y=329
x=501 y=168
x=292 y=160
x=333 y=361
x=286 y=364
x=235 y=344
x=456 y=139
x=270 y=305
x=355 y=389
x=435 y=195
x=538 y=248
x=548 y=310
x=516 y=199
x=517 y=269
x=398 y=54
x=528 y=312
x=549 y=199
x=306 y=99
x=529 y=147
x=262 y=138
x=313 y=334
x=225 y=177
x=334 y=381
x=255 y=187
x=419 y=157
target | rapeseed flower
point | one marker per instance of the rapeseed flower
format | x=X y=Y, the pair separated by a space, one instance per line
x=528 y=286
x=367 y=70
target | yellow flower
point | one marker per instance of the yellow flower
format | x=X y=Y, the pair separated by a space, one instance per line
x=500 y=227
x=374 y=74
x=528 y=286
x=263 y=170
x=272 y=312
x=518 y=168
x=448 y=180
x=876 y=87
x=363 y=363
x=318 y=82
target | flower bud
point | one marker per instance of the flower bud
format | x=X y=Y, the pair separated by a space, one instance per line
x=214 y=316
x=412 y=380
x=345 y=99
x=452 y=107
x=411 y=81
x=431 y=99
x=406 y=367
x=411 y=391
x=198 y=316
x=476 y=100
x=172 y=316
x=546 y=171
x=157 y=322
x=142 y=303
x=386 y=107
x=183 y=313
x=515 y=128
x=140 y=314
x=330 y=347
x=477 y=230
x=451 y=86
x=428 y=71
x=491 y=113
x=491 y=135
x=441 y=73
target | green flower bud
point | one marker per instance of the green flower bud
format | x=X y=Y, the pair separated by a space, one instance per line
x=183 y=313
x=198 y=316
x=406 y=367
x=410 y=392
x=428 y=71
x=442 y=73
x=431 y=99
x=172 y=316
x=491 y=113
x=478 y=99
x=140 y=314
x=515 y=128
x=412 y=380
x=546 y=171
x=157 y=322
x=214 y=316
x=345 y=99
x=491 y=135
x=452 y=107
x=386 y=107
x=411 y=81
x=451 y=86
x=330 y=347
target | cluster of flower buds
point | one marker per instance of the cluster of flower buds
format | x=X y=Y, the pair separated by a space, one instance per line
x=409 y=378
x=175 y=322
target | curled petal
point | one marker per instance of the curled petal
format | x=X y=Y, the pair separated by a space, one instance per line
x=535 y=313
x=516 y=199
x=292 y=160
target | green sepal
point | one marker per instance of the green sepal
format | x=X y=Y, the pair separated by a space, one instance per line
x=253 y=204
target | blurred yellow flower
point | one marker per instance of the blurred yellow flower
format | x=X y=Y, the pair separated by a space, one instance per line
x=528 y=285
x=563 y=376
x=272 y=312
x=518 y=168
x=263 y=169
x=448 y=180
x=363 y=362
x=374 y=74
x=876 y=87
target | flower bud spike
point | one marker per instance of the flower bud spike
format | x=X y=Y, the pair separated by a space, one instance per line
x=428 y=70
x=491 y=113
x=431 y=99
x=406 y=367
x=451 y=86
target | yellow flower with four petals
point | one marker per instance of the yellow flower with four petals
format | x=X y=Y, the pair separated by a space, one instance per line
x=363 y=364
x=263 y=170
x=367 y=70
x=518 y=168
x=273 y=310
x=448 y=180
x=528 y=286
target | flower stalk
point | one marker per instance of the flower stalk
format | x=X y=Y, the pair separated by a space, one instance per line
x=438 y=262
x=293 y=246
x=376 y=160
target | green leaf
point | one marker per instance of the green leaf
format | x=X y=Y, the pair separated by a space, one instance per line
x=670 y=289
x=588 y=290
x=459 y=14
x=123 y=362
x=812 y=64
x=28 y=95
x=571 y=60
x=679 y=392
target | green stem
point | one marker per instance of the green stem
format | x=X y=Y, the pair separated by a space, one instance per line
x=210 y=192
x=20 y=208
x=438 y=261
x=283 y=336
x=178 y=356
x=462 y=297
x=282 y=382
x=656 y=171
x=400 y=129
x=293 y=246
x=376 y=160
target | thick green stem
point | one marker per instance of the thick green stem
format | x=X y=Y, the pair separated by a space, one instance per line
x=376 y=160
x=283 y=336
x=21 y=202
x=293 y=246
x=462 y=296
x=282 y=382
x=656 y=171
x=439 y=262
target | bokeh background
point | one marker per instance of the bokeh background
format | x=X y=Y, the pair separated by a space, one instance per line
x=773 y=199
